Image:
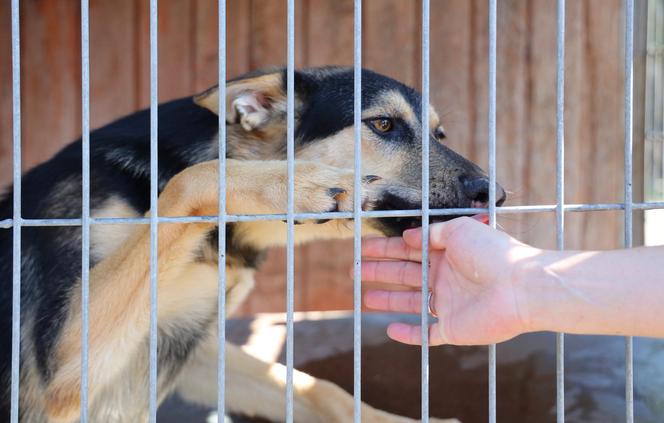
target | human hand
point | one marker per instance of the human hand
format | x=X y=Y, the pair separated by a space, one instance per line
x=472 y=277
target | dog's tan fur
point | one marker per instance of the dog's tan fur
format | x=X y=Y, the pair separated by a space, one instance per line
x=256 y=181
x=120 y=295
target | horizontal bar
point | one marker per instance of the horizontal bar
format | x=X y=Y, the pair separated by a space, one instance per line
x=233 y=218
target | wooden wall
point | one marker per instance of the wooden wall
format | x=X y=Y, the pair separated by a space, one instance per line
x=50 y=32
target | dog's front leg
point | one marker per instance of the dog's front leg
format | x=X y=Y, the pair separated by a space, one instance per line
x=119 y=284
x=258 y=388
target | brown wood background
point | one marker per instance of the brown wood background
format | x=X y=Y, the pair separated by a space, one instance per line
x=50 y=41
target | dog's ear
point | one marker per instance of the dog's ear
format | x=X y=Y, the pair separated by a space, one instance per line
x=251 y=102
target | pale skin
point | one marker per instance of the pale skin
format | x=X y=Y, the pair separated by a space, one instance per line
x=489 y=287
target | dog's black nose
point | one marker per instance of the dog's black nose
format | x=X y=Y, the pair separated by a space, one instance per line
x=477 y=191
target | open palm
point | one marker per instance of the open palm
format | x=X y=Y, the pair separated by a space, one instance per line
x=470 y=277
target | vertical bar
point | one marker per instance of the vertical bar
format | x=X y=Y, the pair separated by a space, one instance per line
x=85 y=209
x=560 y=194
x=492 y=180
x=154 y=212
x=290 y=254
x=16 y=223
x=357 y=209
x=424 y=310
x=629 y=104
x=221 y=294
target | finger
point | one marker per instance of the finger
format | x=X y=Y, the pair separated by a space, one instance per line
x=412 y=334
x=482 y=217
x=396 y=301
x=439 y=232
x=390 y=248
x=406 y=273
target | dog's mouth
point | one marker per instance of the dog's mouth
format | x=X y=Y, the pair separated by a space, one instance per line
x=400 y=199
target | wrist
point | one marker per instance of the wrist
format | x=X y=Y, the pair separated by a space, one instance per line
x=534 y=283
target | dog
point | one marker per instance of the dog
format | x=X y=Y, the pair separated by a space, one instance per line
x=256 y=178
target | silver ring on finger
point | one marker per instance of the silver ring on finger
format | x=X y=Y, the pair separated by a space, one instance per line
x=432 y=309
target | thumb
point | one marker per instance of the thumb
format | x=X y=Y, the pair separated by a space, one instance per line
x=440 y=232
x=437 y=235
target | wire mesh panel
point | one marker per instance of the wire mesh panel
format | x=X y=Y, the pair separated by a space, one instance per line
x=16 y=223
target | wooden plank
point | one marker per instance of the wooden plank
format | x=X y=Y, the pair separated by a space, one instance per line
x=329 y=39
x=603 y=178
x=5 y=96
x=205 y=42
x=451 y=71
x=268 y=34
x=176 y=53
x=577 y=118
x=536 y=184
x=112 y=60
x=51 y=77
x=480 y=71
x=391 y=41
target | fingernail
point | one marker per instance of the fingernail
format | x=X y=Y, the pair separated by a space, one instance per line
x=484 y=218
x=409 y=231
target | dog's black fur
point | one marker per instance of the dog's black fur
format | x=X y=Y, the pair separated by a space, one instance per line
x=120 y=167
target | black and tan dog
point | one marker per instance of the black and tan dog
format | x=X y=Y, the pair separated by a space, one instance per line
x=256 y=183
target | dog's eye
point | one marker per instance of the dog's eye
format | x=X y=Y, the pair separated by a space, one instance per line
x=382 y=124
x=439 y=133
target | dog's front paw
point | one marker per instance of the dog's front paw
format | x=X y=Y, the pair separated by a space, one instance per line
x=321 y=188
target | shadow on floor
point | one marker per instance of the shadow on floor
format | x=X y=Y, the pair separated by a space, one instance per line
x=526 y=374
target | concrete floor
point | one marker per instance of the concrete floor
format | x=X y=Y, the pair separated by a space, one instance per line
x=526 y=372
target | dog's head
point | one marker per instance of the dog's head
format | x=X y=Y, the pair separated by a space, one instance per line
x=391 y=135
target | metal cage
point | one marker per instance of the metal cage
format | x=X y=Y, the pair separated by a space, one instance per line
x=85 y=221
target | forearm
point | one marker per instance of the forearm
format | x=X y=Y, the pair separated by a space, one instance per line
x=618 y=292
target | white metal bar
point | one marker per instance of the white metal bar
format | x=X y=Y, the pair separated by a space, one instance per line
x=357 y=211
x=492 y=179
x=290 y=253
x=543 y=208
x=16 y=221
x=221 y=294
x=85 y=202
x=629 y=105
x=154 y=212
x=424 y=309
x=560 y=194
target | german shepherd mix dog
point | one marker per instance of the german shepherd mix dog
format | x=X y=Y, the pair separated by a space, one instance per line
x=188 y=177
